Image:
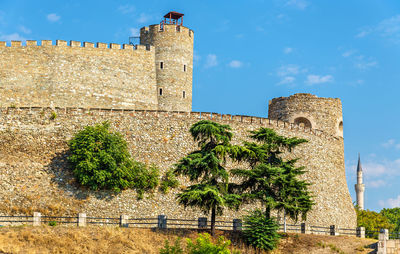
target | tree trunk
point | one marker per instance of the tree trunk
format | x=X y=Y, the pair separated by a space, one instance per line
x=213 y=221
x=267 y=212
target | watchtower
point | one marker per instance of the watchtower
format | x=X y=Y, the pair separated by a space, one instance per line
x=309 y=110
x=173 y=45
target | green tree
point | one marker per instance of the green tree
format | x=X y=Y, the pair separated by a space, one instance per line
x=205 y=167
x=393 y=215
x=101 y=160
x=372 y=221
x=272 y=180
x=260 y=231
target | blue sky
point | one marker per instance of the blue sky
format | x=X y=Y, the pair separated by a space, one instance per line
x=248 y=52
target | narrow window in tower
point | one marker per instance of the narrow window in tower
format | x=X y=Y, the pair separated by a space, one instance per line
x=184 y=95
x=161 y=65
x=160 y=91
x=184 y=67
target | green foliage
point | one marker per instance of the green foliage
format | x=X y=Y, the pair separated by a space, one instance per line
x=175 y=249
x=393 y=215
x=100 y=160
x=261 y=231
x=52 y=223
x=168 y=181
x=272 y=180
x=203 y=245
x=206 y=168
x=372 y=221
x=53 y=115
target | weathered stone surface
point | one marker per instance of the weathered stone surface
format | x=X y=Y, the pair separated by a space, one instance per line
x=35 y=176
x=105 y=76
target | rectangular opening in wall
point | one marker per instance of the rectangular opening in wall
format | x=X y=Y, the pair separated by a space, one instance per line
x=160 y=91
x=161 y=65
x=184 y=95
x=184 y=67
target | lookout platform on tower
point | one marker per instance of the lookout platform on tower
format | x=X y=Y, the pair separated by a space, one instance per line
x=172 y=18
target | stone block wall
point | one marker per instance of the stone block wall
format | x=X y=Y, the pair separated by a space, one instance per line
x=312 y=111
x=174 y=64
x=34 y=174
x=64 y=75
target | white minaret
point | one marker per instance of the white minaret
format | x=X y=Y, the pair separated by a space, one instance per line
x=360 y=186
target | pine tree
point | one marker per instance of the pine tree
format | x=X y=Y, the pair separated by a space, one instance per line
x=206 y=168
x=272 y=180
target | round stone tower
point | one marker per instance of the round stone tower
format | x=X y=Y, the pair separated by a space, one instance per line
x=309 y=110
x=173 y=45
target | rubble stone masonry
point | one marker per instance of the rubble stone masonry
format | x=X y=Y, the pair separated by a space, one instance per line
x=34 y=174
x=65 y=75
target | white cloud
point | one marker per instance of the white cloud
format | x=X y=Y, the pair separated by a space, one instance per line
x=125 y=9
x=24 y=30
x=365 y=65
x=52 y=17
x=12 y=37
x=363 y=33
x=211 y=61
x=289 y=69
x=375 y=183
x=144 y=18
x=388 y=28
x=348 y=53
x=317 y=79
x=287 y=50
x=235 y=64
x=391 y=202
x=299 y=4
x=391 y=143
x=287 y=80
x=394 y=202
x=134 y=31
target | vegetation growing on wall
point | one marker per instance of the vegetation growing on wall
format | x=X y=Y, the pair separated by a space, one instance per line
x=100 y=160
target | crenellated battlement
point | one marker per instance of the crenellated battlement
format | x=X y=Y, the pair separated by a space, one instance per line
x=74 y=44
x=225 y=118
x=166 y=28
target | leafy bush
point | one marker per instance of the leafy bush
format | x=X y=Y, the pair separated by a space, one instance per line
x=372 y=221
x=393 y=215
x=53 y=115
x=100 y=160
x=203 y=245
x=52 y=223
x=261 y=231
x=169 y=181
x=175 y=249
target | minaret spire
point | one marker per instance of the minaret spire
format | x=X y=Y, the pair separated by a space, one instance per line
x=360 y=186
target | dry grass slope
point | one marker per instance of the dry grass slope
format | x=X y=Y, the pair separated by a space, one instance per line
x=59 y=239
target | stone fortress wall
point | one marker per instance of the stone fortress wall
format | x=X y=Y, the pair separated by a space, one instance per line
x=174 y=64
x=106 y=76
x=65 y=75
x=35 y=175
x=150 y=104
